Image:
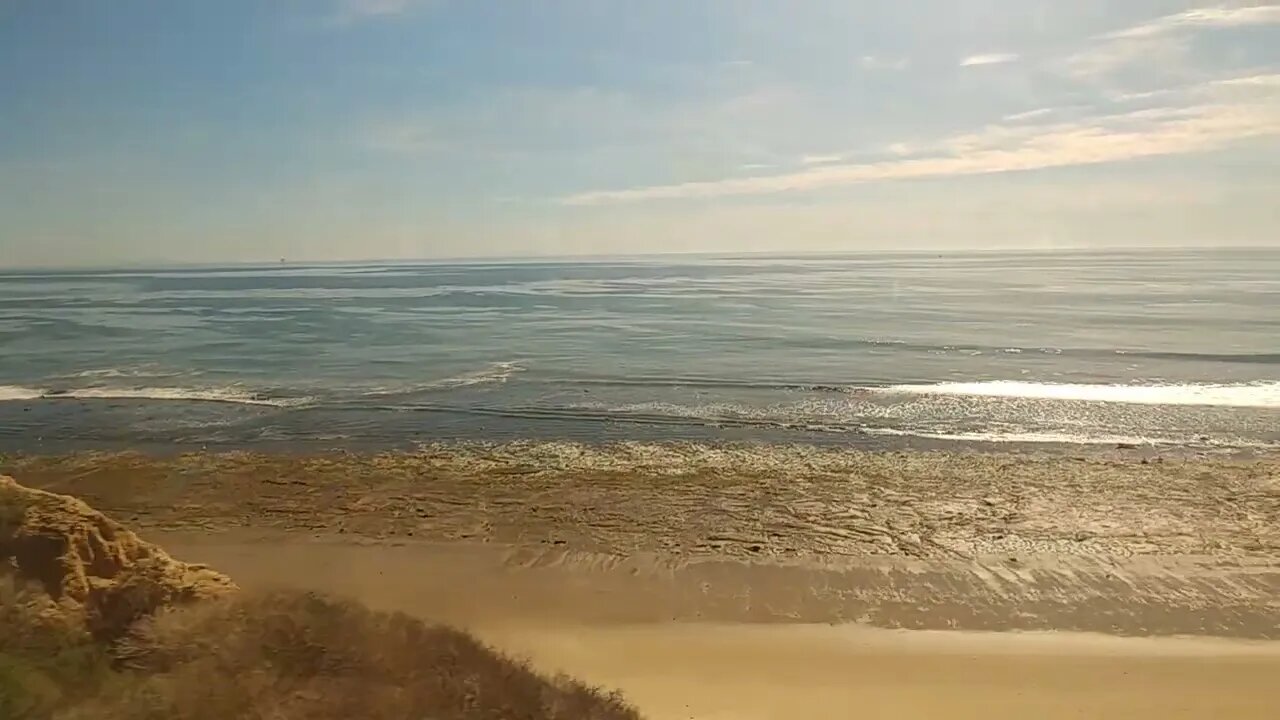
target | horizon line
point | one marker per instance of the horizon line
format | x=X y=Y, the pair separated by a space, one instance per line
x=587 y=258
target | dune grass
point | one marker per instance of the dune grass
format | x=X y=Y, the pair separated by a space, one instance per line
x=48 y=660
x=279 y=655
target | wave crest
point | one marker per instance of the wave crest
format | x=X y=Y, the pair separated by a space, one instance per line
x=499 y=372
x=1257 y=395
x=236 y=395
x=16 y=392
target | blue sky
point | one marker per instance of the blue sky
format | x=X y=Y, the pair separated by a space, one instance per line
x=153 y=132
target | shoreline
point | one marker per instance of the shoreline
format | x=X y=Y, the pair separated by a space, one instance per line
x=791 y=500
x=59 y=426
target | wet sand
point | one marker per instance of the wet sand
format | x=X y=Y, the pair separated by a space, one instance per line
x=763 y=582
x=687 y=500
x=761 y=533
x=478 y=583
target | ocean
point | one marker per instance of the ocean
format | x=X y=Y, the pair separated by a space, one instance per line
x=1049 y=349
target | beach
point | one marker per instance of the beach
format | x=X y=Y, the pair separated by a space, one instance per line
x=760 y=581
x=774 y=672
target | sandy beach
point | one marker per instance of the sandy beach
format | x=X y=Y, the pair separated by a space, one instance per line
x=805 y=671
x=763 y=581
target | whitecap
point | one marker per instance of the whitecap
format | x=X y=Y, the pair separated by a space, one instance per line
x=17 y=392
x=235 y=395
x=1063 y=438
x=228 y=395
x=1262 y=394
x=499 y=372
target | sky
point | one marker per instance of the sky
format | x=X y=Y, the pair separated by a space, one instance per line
x=136 y=132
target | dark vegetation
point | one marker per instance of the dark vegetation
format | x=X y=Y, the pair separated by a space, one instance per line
x=226 y=654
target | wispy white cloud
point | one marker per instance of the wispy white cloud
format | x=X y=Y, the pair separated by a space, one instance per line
x=1028 y=115
x=1257 y=85
x=1162 y=43
x=349 y=11
x=875 y=62
x=1201 y=18
x=988 y=59
x=1269 y=81
x=1147 y=133
x=1125 y=97
x=821 y=159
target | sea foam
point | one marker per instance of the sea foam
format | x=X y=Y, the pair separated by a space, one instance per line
x=1263 y=394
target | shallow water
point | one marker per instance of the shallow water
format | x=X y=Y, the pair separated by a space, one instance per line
x=1163 y=347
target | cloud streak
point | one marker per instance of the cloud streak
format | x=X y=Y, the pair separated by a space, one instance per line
x=988 y=59
x=821 y=159
x=1002 y=149
x=1029 y=115
x=1163 y=42
x=1266 y=81
x=1219 y=17
x=350 y=11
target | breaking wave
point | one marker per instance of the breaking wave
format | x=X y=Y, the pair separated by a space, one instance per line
x=234 y=395
x=498 y=372
x=1255 y=395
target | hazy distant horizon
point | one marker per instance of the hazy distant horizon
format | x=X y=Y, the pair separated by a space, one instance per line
x=625 y=257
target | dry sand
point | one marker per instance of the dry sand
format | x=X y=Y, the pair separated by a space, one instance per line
x=745 y=672
x=622 y=626
x=709 y=582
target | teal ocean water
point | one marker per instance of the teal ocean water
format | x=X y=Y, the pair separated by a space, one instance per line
x=1165 y=347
